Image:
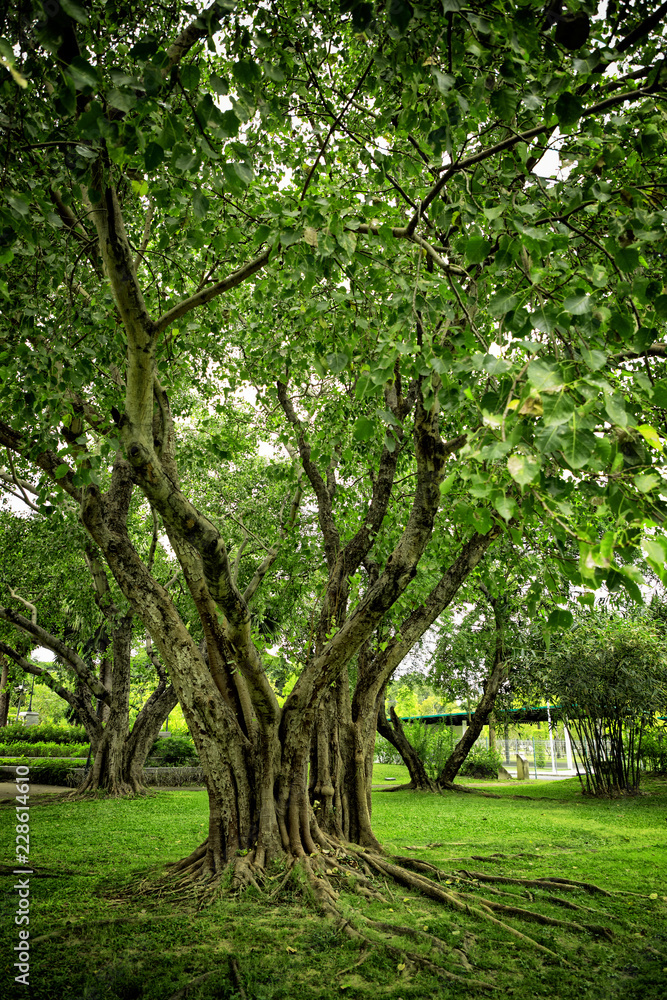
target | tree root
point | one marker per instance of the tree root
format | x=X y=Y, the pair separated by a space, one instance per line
x=352 y=868
x=548 y=882
x=429 y=888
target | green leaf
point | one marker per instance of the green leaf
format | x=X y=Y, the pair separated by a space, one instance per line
x=544 y=318
x=61 y=471
x=446 y=486
x=74 y=11
x=290 y=236
x=504 y=102
x=199 y=204
x=246 y=72
x=121 y=99
x=615 y=408
x=219 y=85
x=243 y=172
x=338 y=362
x=83 y=74
x=647 y=482
x=655 y=549
x=568 y=109
x=522 y=469
x=595 y=360
x=153 y=156
x=578 y=304
x=477 y=249
x=651 y=436
x=364 y=429
x=544 y=375
x=501 y=303
x=400 y=14
x=274 y=73
x=577 y=446
x=560 y=619
x=626 y=258
x=660 y=306
x=506 y=507
x=659 y=393
x=443 y=81
x=557 y=409
x=190 y=76
x=19 y=204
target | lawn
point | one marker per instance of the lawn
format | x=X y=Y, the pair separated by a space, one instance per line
x=99 y=930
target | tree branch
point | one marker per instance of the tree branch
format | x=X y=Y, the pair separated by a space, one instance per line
x=66 y=653
x=212 y=291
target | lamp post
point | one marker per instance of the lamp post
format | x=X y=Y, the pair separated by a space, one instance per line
x=20 y=690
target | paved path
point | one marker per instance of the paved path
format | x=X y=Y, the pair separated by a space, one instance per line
x=8 y=789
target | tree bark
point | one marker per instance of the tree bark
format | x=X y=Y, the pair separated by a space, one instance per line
x=394 y=733
x=4 y=690
x=485 y=706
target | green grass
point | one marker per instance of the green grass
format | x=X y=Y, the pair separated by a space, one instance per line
x=120 y=945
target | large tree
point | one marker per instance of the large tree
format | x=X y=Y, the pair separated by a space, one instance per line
x=339 y=209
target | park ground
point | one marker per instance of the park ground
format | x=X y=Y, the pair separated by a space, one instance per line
x=102 y=930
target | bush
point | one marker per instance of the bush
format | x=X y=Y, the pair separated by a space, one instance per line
x=482 y=763
x=174 y=751
x=51 y=749
x=45 y=732
x=385 y=753
x=45 y=772
x=432 y=744
x=653 y=752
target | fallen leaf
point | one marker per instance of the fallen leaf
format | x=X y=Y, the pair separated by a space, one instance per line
x=292 y=951
x=400 y=966
x=653 y=895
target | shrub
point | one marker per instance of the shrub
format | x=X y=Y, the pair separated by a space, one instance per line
x=481 y=762
x=45 y=732
x=385 y=753
x=45 y=772
x=432 y=744
x=51 y=749
x=653 y=751
x=175 y=751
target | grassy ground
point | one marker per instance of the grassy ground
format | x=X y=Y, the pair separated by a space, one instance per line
x=94 y=936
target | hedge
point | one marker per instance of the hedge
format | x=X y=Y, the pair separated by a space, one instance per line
x=25 y=748
x=45 y=732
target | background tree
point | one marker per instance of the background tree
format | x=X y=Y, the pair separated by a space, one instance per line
x=91 y=635
x=609 y=676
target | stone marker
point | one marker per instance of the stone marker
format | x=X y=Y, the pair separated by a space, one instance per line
x=522 y=768
x=503 y=774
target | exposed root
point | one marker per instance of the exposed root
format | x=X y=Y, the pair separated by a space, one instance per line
x=189 y=863
x=235 y=976
x=453 y=900
x=179 y=994
x=421 y=962
x=322 y=874
x=243 y=875
x=549 y=882
x=588 y=886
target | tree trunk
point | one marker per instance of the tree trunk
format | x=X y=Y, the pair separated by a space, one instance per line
x=394 y=733
x=4 y=690
x=492 y=731
x=484 y=708
x=145 y=731
x=107 y=772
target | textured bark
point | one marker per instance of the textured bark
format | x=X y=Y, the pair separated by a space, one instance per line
x=485 y=707
x=393 y=732
x=4 y=690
